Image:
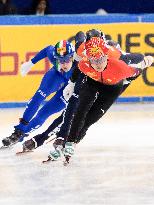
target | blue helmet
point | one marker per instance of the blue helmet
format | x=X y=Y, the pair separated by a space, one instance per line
x=64 y=50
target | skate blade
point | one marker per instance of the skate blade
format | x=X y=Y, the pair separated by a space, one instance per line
x=67 y=161
x=5 y=147
x=24 y=152
x=48 y=160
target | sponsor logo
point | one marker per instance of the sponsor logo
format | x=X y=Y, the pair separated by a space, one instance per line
x=42 y=93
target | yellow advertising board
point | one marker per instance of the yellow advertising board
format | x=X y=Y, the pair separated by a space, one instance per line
x=20 y=43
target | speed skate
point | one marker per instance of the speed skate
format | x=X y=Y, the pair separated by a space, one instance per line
x=24 y=152
x=66 y=160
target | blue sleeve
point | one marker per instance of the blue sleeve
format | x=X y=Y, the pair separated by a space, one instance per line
x=42 y=54
x=51 y=82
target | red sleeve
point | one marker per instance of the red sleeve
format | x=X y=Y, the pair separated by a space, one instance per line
x=80 y=50
x=128 y=71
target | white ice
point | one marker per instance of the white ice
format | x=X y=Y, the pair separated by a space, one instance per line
x=113 y=165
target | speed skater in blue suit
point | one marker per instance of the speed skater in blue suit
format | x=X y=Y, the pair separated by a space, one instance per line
x=54 y=80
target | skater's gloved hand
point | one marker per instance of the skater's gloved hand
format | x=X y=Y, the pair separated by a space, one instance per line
x=25 y=68
x=147 y=62
x=68 y=90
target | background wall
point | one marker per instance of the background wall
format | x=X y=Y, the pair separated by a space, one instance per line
x=21 y=37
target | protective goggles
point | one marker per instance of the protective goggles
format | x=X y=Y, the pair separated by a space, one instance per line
x=64 y=59
x=100 y=60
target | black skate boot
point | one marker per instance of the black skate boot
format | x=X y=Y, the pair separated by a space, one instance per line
x=29 y=145
x=13 y=139
x=68 y=152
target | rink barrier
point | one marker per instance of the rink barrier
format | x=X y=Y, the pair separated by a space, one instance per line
x=74 y=19
x=119 y=100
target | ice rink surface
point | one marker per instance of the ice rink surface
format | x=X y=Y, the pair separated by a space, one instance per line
x=113 y=165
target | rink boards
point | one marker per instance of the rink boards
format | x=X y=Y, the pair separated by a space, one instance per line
x=19 y=43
